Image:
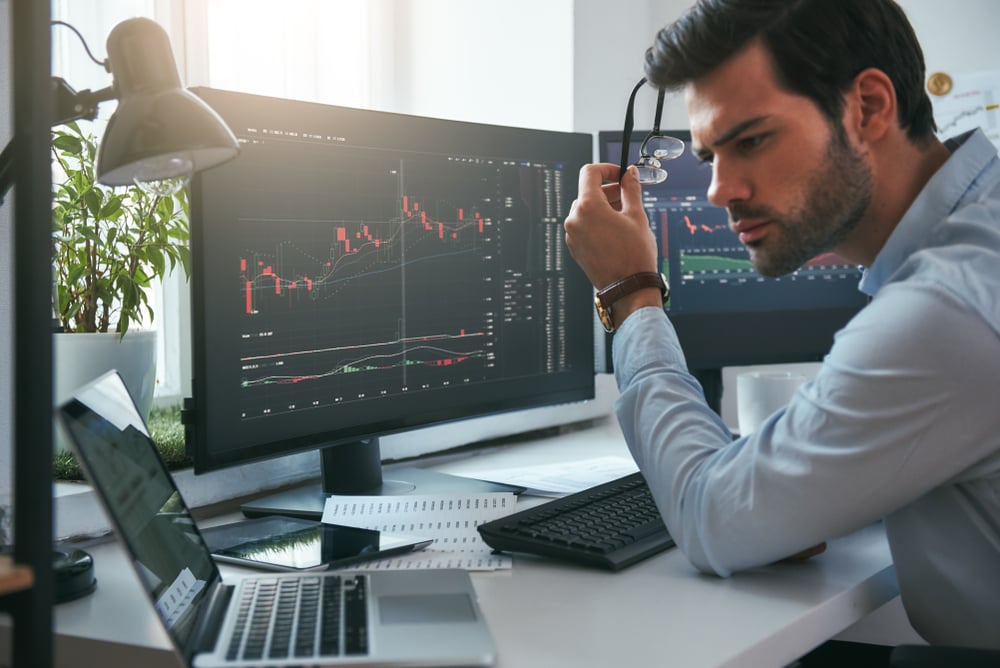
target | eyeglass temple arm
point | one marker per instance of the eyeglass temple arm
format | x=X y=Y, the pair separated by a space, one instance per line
x=659 y=111
x=627 y=131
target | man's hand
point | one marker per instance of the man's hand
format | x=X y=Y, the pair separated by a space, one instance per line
x=607 y=230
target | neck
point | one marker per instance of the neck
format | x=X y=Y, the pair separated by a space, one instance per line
x=899 y=173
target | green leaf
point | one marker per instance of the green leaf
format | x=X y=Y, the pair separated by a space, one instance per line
x=89 y=233
x=75 y=272
x=68 y=144
x=92 y=198
x=185 y=255
x=62 y=298
x=129 y=292
x=156 y=260
x=72 y=309
x=112 y=208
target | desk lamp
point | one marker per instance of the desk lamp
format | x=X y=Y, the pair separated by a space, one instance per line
x=160 y=134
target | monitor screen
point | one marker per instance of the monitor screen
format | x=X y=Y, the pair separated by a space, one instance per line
x=358 y=273
x=725 y=313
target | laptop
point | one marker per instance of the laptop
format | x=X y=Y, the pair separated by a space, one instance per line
x=330 y=618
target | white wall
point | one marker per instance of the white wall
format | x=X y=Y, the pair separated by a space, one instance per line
x=956 y=36
x=611 y=42
x=533 y=95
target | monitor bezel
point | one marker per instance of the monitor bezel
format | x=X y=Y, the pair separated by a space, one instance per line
x=579 y=147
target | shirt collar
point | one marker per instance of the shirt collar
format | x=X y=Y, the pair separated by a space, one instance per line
x=941 y=196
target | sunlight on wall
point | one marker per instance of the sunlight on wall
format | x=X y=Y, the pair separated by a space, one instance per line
x=508 y=63
x=317 y=52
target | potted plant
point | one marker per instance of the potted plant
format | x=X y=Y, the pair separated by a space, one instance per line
x=108 y=245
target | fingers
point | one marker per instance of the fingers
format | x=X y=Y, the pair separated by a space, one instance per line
x=613 y=192
x=599 y=182
x=595 y=175
x=631 y=192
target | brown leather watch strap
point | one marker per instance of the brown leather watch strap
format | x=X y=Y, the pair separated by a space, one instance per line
x=626 y=286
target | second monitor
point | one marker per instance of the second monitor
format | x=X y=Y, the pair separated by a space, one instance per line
x=724 y=312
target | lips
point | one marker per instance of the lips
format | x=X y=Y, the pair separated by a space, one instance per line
x=750 y=230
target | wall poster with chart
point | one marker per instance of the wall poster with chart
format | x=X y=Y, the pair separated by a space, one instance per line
x=964 y=101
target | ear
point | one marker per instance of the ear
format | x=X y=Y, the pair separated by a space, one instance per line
x=871 y=104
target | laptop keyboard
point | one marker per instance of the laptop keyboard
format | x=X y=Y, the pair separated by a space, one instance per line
x=322 y=615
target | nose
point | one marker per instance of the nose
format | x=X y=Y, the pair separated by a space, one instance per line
x=729 y=184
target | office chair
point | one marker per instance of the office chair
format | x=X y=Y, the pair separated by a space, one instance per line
x=930 y=656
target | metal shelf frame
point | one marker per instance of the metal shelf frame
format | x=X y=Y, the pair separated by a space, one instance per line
x=30 y=607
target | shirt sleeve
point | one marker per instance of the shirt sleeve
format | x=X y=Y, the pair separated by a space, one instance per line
x=895 y=410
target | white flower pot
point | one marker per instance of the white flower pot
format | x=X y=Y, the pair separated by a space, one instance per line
x=80 y=358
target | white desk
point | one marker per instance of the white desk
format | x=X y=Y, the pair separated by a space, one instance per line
x=551 y=614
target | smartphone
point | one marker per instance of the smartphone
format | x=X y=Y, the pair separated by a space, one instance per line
x=292 y=544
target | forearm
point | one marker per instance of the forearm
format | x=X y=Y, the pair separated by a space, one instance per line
x=668 y=426
x=732 y=505
x=886 y=419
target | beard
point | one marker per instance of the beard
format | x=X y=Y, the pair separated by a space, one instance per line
x=837 y=195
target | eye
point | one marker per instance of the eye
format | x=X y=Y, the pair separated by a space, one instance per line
x=748 y=144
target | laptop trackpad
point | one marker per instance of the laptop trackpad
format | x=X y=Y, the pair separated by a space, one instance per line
x=426 y=609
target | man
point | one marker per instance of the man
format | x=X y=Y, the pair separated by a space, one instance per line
x=813 y=115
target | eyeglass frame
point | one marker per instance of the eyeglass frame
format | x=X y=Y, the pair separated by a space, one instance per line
x=655 y=133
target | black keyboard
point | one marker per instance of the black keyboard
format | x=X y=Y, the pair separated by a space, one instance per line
x=612 y=525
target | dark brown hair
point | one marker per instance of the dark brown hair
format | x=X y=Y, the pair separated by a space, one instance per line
x=817 y=47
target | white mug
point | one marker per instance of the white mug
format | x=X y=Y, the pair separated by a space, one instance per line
x=760 y=393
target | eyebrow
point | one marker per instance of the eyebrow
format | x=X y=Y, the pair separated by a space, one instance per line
x=730 y=134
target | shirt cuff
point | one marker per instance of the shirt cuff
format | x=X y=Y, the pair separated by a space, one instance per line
x=645 y=337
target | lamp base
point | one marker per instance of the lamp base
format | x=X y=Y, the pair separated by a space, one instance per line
x=74 y=575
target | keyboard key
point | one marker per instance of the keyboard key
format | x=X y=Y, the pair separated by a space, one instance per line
x=301 y=618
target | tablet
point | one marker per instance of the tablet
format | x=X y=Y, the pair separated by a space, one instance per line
x=292 y=544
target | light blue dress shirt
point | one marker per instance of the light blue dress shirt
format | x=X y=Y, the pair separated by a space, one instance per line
x=902 y=422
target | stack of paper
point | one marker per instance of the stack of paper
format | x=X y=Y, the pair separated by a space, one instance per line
x=451 y=521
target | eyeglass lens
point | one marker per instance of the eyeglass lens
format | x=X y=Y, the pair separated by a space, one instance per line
x=656 y=146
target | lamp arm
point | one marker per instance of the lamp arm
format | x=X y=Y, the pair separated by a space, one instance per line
x=70 y=105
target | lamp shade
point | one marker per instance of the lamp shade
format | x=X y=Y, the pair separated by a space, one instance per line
x=160 y=130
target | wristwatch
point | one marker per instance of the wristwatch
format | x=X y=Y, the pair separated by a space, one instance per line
x=606 y=297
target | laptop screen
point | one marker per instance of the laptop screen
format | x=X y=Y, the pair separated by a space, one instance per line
x=152 y=519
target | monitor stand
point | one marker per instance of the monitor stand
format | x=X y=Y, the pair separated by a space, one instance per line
x=355 y=468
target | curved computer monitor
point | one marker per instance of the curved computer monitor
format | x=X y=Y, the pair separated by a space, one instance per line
x=725 y=313
x=358 y=273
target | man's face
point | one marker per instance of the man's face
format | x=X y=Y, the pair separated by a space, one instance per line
x=794 y=187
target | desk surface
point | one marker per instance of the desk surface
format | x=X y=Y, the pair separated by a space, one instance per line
x=547 y=613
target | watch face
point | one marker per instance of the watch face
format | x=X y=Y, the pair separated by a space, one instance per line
x=665 y=288
x=604 y=315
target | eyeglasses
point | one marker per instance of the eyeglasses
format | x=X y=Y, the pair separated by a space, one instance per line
x=655 y=147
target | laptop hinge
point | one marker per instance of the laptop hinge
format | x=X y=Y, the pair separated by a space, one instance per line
x=207 y=636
